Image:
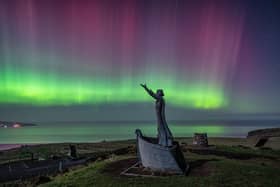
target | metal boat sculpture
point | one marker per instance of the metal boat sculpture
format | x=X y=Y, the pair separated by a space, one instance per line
x=161 y=153
x=160 y=158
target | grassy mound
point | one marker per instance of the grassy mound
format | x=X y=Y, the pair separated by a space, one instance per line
x=206 y=170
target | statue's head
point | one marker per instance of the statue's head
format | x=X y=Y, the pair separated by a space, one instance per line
x=160 y=92
x=138 y=132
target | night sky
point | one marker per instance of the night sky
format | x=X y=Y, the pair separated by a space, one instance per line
x=84 y=60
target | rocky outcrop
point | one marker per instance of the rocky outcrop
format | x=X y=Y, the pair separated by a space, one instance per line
x=259 y=137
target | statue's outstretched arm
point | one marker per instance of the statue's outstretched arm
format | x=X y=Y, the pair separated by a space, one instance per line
x=150 y=92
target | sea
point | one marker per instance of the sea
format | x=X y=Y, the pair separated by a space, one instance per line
x=58 y=132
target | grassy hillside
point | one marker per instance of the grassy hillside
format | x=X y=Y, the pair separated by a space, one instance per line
x=228 y=162
x=206 y=171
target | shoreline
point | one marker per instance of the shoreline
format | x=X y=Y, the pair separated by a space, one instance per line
x=4 y=147
x=273 y=142
x=8 y=146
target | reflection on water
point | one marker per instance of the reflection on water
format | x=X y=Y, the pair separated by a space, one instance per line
x=87 y=132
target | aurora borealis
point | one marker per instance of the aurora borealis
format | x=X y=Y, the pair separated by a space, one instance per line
x=206 y=55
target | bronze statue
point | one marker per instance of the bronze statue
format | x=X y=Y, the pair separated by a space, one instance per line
x=165 y=137
x=161 y=153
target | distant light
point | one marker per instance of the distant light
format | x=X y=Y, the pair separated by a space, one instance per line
x=16 y=125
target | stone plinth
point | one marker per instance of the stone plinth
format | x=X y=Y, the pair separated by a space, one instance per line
x=200 y=139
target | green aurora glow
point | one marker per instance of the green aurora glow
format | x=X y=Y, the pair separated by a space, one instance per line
x=33 y=87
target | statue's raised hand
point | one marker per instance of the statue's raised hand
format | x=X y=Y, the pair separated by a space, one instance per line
x=150 y=92
x=144 y=85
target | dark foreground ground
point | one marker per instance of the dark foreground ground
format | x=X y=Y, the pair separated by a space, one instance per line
x=227 y=162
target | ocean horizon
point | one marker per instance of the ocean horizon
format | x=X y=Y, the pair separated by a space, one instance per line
x=77 y=132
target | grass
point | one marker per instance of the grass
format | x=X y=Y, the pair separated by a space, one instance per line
x=260 y=152
x=59 y=149
x=224 y=172
x=262 y=168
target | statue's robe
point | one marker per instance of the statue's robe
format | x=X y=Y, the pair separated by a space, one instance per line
x=165 y=137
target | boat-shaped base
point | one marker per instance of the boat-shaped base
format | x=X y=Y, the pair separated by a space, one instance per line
x=160 y=158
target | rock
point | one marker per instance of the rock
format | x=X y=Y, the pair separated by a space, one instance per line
x=259 y=138
x=42 y=179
